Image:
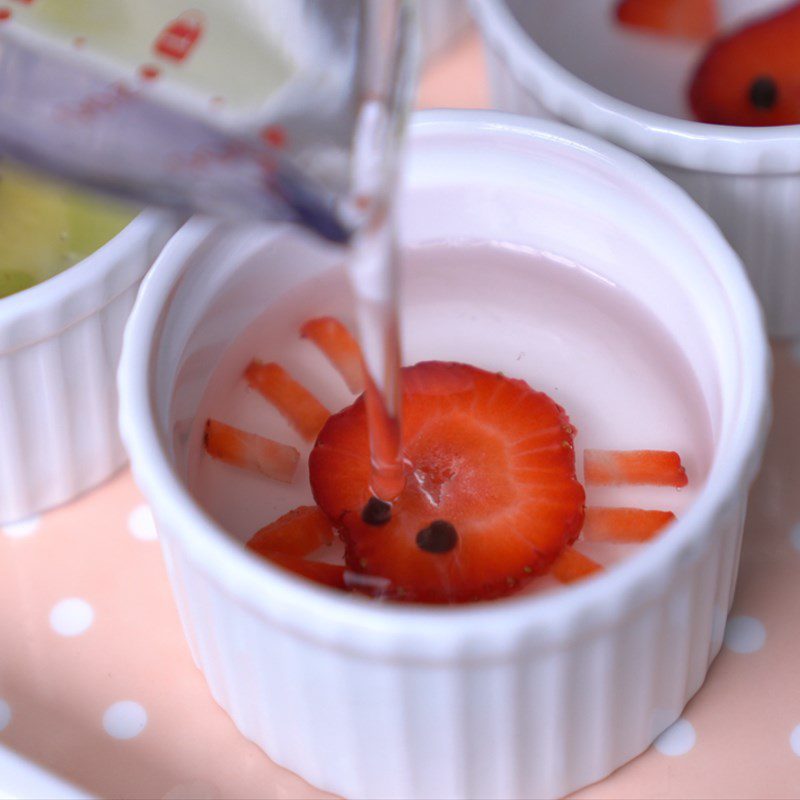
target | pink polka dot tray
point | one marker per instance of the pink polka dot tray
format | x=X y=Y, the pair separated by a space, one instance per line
x=99 y=695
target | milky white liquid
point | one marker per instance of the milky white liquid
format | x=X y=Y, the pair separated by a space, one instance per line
x=567 y=332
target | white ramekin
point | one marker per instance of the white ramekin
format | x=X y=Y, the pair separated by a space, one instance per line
x=748 y=179
x=59 y=346
x=526 y=697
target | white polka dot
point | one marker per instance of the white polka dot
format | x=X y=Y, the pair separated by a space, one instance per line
x=141 y=524
x=677 y=740
x=5 y=714
x=795 y=537
x=125 y=719
x=744 y=634
x=794 y=740
x=23 y=528
x=71 y=616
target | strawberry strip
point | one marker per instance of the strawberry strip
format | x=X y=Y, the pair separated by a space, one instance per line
x=317 y=571
x=300 y=408
x=250 y=451
x=624 y=525
x=339 y=346
x=634 y=467
x=298 y=533
x=687 y=19
x=573 y=566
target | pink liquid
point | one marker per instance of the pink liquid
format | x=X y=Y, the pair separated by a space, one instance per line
x=586 y=343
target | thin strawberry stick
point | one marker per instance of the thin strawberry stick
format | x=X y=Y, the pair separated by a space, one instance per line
x=572 y=566
x=633 y=467
x=298 y=533
x=300 y=408
x=250 y=451
x=317 y=571
x=624 y=525
x=339 y=346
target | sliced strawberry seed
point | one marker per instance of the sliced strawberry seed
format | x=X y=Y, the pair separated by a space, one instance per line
x=376 y=512
x=439 y=537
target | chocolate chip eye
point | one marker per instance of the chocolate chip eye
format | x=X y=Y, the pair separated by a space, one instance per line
x=438 y=537
x=763 y=92
x=376 y=512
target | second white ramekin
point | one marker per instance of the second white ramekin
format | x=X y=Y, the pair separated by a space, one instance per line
x=748 y=179
x=526 y=697
x=59 y=347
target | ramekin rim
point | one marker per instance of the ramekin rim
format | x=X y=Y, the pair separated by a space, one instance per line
x=653 y=135
x=217 y=555
x=45 y=299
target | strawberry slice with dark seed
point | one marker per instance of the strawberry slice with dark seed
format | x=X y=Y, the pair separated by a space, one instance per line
x=751 y=76
x=491 y=497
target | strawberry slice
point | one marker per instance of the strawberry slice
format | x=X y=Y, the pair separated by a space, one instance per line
x=685 y=19
x=318 y=571
x=624 y=525
x=250 y=451
x=491 y=498
x=573 y=566
x=752 y=76
x=299 y=532
x=633 y=467
x=300 y=408
x=339 y=346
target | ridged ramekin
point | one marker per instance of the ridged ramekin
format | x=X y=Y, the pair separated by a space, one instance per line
x=525 y=697
x=748 y=179
x=59 y=347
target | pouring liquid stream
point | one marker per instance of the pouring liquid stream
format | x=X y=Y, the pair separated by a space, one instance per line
x=375 y=256
x=373 y=263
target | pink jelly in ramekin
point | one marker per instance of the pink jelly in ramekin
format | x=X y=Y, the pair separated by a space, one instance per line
x=524 y=697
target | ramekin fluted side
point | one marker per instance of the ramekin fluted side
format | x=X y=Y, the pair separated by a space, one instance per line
x=758 y=215
x=59 y=402
x=551 y=720
x=58 y=390
x=523 y=697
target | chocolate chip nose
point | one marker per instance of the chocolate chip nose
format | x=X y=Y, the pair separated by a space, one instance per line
x=438 y=537
x=763 y=92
